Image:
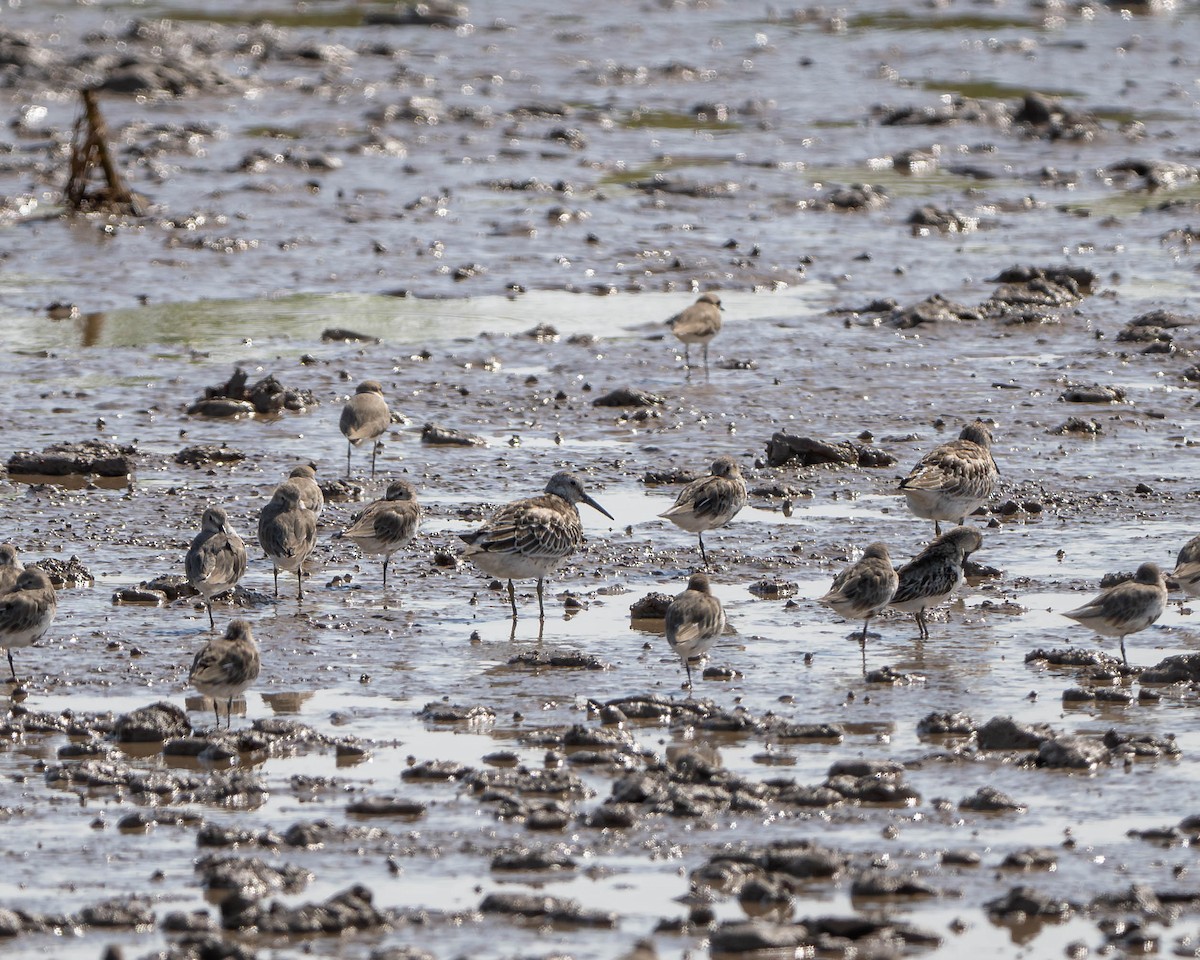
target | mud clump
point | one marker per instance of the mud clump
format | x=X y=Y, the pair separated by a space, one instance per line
x=352 y=909
x=1078 y=427
x=558 y=659
x=341 y=335
x=653 y=606
x=436 y=435
x=1093 y=393
x=991 y=800
x=628 y=397
x=438 y=712
x=66 y=573
x=207 y=454
x=784 y=448
x=155 y=723
x=88 y=457
x=551 y=910
x=235 y=398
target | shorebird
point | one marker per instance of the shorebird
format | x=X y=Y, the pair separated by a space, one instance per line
x=26 y=612
x=863 y=590
x=365 y=417
x=1127 y=607
x=225 y=667
x=695 y=620
x=1187 y=568
x=532 y=537
x=388 y=524
x=709 y=502
x=699 y=323
x=305 y=477
x=10 y=567
x=287 y=533
x=954 y=479
x=216 y=559
x=931 y=576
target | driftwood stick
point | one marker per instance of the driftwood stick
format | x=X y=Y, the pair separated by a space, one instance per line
x=90 y=150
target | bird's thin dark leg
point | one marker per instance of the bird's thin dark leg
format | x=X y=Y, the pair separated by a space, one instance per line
x=217 y=711
x=12 y=669
x=374 y=450
x=703 y=555
x=706 y=361
x=687 y=363
x=937 y=529
x=349 y=447
x=385 y=563
x=211 y=623
x=1124 y=659
x=512 y=599
x=687 y=665
x=275 y=570
x=863 y=641
x=541 y=607
x=299 y=583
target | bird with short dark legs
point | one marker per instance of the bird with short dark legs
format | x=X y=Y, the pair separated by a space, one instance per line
x=365 y=416
x=863 y=590
x=954 y=479
x=216 y=559
x=699 y=323
x=388 y=524
x=1126 y=607
x=694 y=622
x=709 y=502
x=287 y=533
x=225 y=667
x=931 y=576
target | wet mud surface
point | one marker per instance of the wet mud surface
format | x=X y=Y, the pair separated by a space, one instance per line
x=414 y=774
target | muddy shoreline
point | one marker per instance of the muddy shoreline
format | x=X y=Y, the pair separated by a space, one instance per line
x=416 y=775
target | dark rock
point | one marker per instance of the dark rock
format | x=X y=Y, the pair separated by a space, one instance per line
x=881 y=883
x=350 y=910
x=1035 y=294
x=1031 y=858
x=340 y=335
x=438 y=712
x=444 y=436
x=557 y=659
x=97 y=457
x=124 y=913
x=942 y=220
x=946 y=724
x=386 y=807
x=990 y=801
x=1071 y=657
x=1004 y=733
x=1094 y=393
x=653 y=606
x=856 y=197
x=342 y=491
x=773 y=589
x=250 y=877
x=546 y=909
x=933 y=309
x=1076 y=753
x=198 y=921
x=627 y=397
x=208 y=453
x=1078 y=427
x=1183 y=668
x=787 y=731
x=266 y=396
x=65 y=573
x=1141 y=745
x=671 y=476
x=436 y=770
x=157 y=722
x=735 y=937
x=886 y=674
x=805 y=451
x=1022 y=903
x=532 y=859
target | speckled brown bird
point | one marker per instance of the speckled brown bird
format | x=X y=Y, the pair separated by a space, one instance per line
x=709 y=502
x=861 y=591
x=26 y=612
x=388 y=524
x=226 y=666
x=287 y=533
x=1126 y=607
x=931 y=576
x=365 y=417
x=699 y=323
x=695 y=620
x=954 y=479
x=216 y=559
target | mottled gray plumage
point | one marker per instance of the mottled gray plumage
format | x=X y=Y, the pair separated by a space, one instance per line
x=532 y=537
x=709 y=502
x=1126 y=607
x=954 y=479
x=931 y=576
x=864 y=589
x=226 y=666
x=699 y=323
x=287 y=533
x=26 y=612
x=1187 y=568
x=216 y=559
x=388 y=524
x=695 y=620
x=305 y=477
x=10 y=567
x=365 y=417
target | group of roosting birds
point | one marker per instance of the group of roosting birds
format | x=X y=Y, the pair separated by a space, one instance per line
x=532 y=537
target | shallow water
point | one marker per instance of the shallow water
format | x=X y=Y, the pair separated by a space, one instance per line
x=349 y=661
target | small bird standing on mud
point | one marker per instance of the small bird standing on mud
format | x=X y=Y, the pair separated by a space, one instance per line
x=931 y=576
x=695 y=620
x=863 y=590
x=388 y=524
x=287 y=533
x=225 y=667
x=365 y=417
x=954 y=479
x=709 y=502
x=216 y=559
x=10 y=567
x=26 y=612
x=699 y=323
x=532 y=537
x=1126 y=607
x=1187 y=568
